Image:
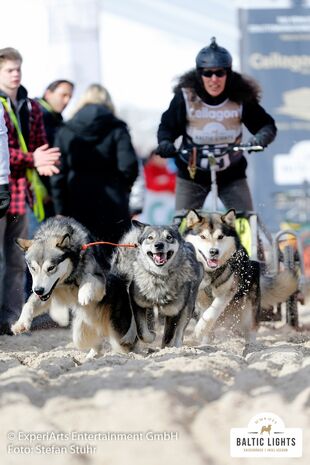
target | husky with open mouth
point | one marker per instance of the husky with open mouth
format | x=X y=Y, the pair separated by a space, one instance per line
x=64 y=276
x=164 y=274
x=232 y=289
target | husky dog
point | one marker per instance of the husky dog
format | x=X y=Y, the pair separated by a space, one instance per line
x=65 y=276
x=232 y=288
x=164 y=275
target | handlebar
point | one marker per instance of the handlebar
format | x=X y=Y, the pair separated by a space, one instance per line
x=212 y=157
x=219 y=150
x=247 y=147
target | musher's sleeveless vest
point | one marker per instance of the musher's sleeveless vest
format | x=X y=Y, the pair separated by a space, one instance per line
x=213 y=124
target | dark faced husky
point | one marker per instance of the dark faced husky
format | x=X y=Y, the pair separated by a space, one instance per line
x=66 y=277
x=232 y=288
x=163 y=274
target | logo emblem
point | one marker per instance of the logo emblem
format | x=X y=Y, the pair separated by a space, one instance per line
x=266 y=436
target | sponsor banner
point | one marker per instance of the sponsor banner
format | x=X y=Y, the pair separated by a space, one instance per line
x=266 y=436
x=275 y=50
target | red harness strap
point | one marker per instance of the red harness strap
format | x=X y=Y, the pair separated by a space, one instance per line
x=90 y=244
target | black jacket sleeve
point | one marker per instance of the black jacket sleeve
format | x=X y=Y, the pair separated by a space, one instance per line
x=173 y=120
x=259 y=123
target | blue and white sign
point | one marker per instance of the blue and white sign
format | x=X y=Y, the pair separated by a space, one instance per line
x=275 y=50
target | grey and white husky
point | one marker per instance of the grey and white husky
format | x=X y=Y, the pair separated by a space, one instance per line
x=163 y=274
x=232 y=289
x=66 y=277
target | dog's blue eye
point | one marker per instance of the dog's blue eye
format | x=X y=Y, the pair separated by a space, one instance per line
x=169 y=238
x=220 y=237
x=51 y=268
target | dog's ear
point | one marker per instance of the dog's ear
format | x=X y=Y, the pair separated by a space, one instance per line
x=23 y=244
x=64 y=241
x=175 y=227
x=192 y=218
x=138 y=224
x=229 y=218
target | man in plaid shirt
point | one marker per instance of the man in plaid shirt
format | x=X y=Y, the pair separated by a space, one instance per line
x=39 y=156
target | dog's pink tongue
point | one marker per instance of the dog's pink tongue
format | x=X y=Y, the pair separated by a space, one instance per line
x=213 y=262
x=159 y=258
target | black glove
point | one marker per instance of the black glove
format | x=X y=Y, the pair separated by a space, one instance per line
x=5 y=199
x=264 y=136
x=166 y=149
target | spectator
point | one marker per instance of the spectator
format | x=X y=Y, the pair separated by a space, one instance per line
x=28 y=152
x=55 y=99
x=98 y=167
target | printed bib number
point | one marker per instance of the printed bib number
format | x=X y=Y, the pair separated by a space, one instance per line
x=222 y=162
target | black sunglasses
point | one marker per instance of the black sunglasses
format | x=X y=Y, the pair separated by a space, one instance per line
x=209 y=72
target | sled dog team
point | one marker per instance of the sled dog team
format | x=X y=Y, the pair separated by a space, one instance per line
x=204 y=273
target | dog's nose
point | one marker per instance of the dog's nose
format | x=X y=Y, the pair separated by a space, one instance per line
x=39 y=290
x=213 y=252
x=159 y=245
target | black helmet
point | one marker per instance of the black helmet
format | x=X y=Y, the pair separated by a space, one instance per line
x=213 y=57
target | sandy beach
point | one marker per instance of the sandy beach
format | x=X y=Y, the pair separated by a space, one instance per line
x=170 y=407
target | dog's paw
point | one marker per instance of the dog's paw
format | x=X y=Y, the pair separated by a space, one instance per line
x=148 y=336
x=20 y=327
x=203 y=328
x=88 y=292
x=85 y=294
x=200 y=329
x=92 y=354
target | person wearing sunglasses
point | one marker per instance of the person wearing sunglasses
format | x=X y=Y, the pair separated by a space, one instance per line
x=211 y=104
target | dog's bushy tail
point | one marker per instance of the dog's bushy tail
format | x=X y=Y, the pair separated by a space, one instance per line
x=276 y=289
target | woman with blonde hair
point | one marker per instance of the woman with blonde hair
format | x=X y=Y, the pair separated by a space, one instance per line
x=95 y=93
x=98 y=167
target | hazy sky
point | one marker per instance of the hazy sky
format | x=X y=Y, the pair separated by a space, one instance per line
x=135 y=47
